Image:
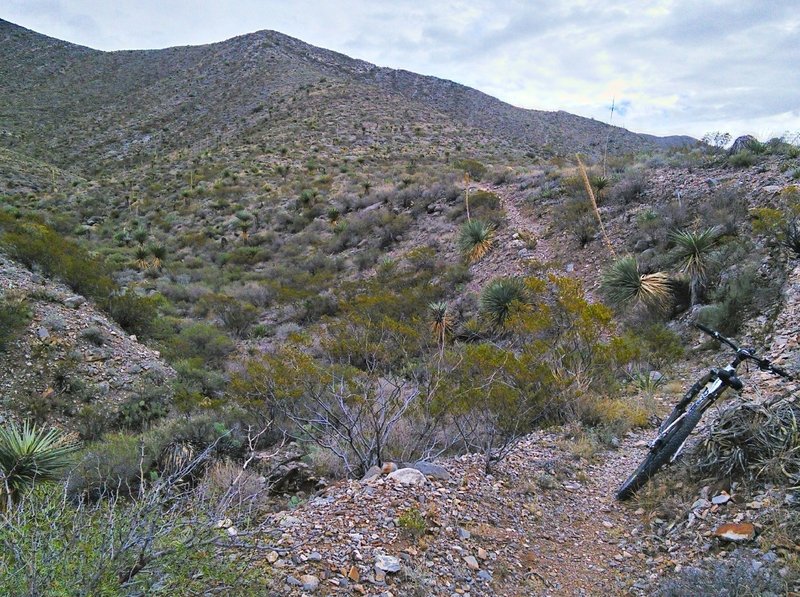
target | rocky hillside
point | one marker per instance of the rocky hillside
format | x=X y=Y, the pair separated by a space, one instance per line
x=132 y=106
x=291 y=249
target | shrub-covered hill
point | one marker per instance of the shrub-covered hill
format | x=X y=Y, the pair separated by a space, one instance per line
x=87 y=109
x=323 y=258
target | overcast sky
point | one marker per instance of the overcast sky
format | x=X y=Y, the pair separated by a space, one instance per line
x=669 y=66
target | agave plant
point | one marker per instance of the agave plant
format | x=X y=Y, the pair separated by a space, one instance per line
x=499 y=296
x=693 y=253
x=623 y=285
x=29 y=455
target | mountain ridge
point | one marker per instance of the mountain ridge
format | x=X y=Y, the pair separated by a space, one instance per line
x=162 y=100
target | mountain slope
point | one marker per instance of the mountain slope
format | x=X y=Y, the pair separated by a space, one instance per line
x=84 y=108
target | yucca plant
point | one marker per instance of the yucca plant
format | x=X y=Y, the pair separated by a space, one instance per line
x=693 y=253
x=624 y=285
x=159 y=253
x=441 y=322
x=499 y=296
x=476 y=239
x=141 y=255
x=29 y=455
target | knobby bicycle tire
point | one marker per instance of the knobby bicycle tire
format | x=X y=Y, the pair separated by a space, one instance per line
x=658 y=458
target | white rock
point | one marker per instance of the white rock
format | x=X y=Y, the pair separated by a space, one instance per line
x=408 y=476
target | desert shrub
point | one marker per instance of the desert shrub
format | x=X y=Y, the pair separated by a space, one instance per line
x=739 y=575
x=741 y=293
x=661 y=346
x=767 y=221
x=15 y=314
x=165 y=541
x=94 y=335
x=143 y=407
x=113 y=466
x=237 y=317
x=473 y=167
x=92 y=421
x=318 y=306
x=742 y=159
x=37 y=245
x=630 y=188
x=196 y=383
x=726 y=209
x=201 y=341
x=134 y=313
x=412 y=523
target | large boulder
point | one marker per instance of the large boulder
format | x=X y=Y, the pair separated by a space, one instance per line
x=408 y=476
x=742 y=143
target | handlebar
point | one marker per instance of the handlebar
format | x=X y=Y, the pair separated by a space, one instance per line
x=746 y=353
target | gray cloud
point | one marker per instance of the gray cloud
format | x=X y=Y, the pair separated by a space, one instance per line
x=672 y=66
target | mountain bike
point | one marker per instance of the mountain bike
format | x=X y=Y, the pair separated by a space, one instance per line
x=675 y=429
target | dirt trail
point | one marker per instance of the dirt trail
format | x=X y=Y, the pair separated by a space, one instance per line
x=555 y=252
x=581 y=541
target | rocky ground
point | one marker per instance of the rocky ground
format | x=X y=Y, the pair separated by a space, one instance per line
x=72 y=354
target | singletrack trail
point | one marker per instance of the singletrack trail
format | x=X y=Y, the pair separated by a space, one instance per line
x=555 y=252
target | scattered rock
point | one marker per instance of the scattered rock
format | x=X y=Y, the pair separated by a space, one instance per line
x=373 y=472
x=310 y=582
x=408 y=476
x=722 y=498
x=741 y=144
x=471 y=562
x=387 y=563
x=73 y=302
x=737 y=533
x=432 y=471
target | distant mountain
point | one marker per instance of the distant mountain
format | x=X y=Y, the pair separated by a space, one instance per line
x=89 y=110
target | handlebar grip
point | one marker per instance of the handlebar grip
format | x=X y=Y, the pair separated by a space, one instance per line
x=782 y=372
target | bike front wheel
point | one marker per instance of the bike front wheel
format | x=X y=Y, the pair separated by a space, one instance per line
x=660 y=456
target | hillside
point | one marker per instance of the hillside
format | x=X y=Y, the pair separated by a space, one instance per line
x=253 y=278
x=128 y=107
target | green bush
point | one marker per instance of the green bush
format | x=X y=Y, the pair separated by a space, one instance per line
x=15 y=314
x=114 y=466
x=473 y=167
x=164 y=542
x=134 y=313
x=743 y=159
x=201 y=341
x=37 y=245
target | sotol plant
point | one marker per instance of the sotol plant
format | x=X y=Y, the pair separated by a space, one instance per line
x=499 y=296
x=29 y=455
x=476 y=239
x=624 y=285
